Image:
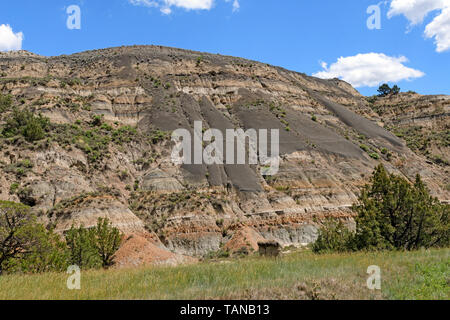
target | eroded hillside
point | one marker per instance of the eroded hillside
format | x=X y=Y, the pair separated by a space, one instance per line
x=106 y=148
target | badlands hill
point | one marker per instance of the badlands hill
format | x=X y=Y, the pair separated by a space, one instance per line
x=107 y=148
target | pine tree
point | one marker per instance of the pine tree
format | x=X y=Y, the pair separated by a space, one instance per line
x=384 y=90
x=394 y=214
x=107 y=241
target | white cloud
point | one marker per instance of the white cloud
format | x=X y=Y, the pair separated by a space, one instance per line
x=416 y=11
x=190 y=4
x=166 y=5
x=439 y=29
x=369 y=69
x=10 y=40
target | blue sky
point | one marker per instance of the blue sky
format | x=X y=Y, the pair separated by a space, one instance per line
x=300 y=35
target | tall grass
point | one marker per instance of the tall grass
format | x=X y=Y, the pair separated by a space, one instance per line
x=405 y=275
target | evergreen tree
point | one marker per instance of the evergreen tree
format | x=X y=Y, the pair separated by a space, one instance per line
x=82 y=249
x=395 y=90
x=392 y=214
x=26 y=245
x=107 y=241
x=384 y=90
x=94 y=247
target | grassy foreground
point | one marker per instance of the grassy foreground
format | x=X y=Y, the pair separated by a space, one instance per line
x=299 y=275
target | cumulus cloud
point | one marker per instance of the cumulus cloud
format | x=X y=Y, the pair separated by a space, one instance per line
x=369 y=69
x=439 y=29
x=10 y=40
x=416 y=11
x=166 y=5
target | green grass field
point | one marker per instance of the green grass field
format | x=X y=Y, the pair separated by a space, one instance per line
x=298 y=275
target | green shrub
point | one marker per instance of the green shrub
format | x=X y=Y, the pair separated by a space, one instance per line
x=25 y=123
x=13 y=188
x=372 y=99
x=364 y=147
x=5 y=102
x=158 y=136
x=106 y=127
x=33 y=130
x=107 y=240
x=124 y=134
x=95 y=247
x=334 y=236
x=48 y=253
x=375 y=156
x=19 y=168
x=93 y=142
x=97 y=120
x=199 y=60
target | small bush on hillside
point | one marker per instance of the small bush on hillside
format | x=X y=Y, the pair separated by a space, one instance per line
x=5 y=102
x=124 y=134
x=94 y=142
x=97 y=120
x=20 y=168
x=25 y=123
x=372 y=99
x=364 y=147
x=158 y=136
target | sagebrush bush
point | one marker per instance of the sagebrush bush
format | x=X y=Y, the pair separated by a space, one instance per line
x=334 y=236
x=25 y=123
x=5 y=102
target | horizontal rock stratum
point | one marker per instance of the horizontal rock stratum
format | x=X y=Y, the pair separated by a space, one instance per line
x=119 y=165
